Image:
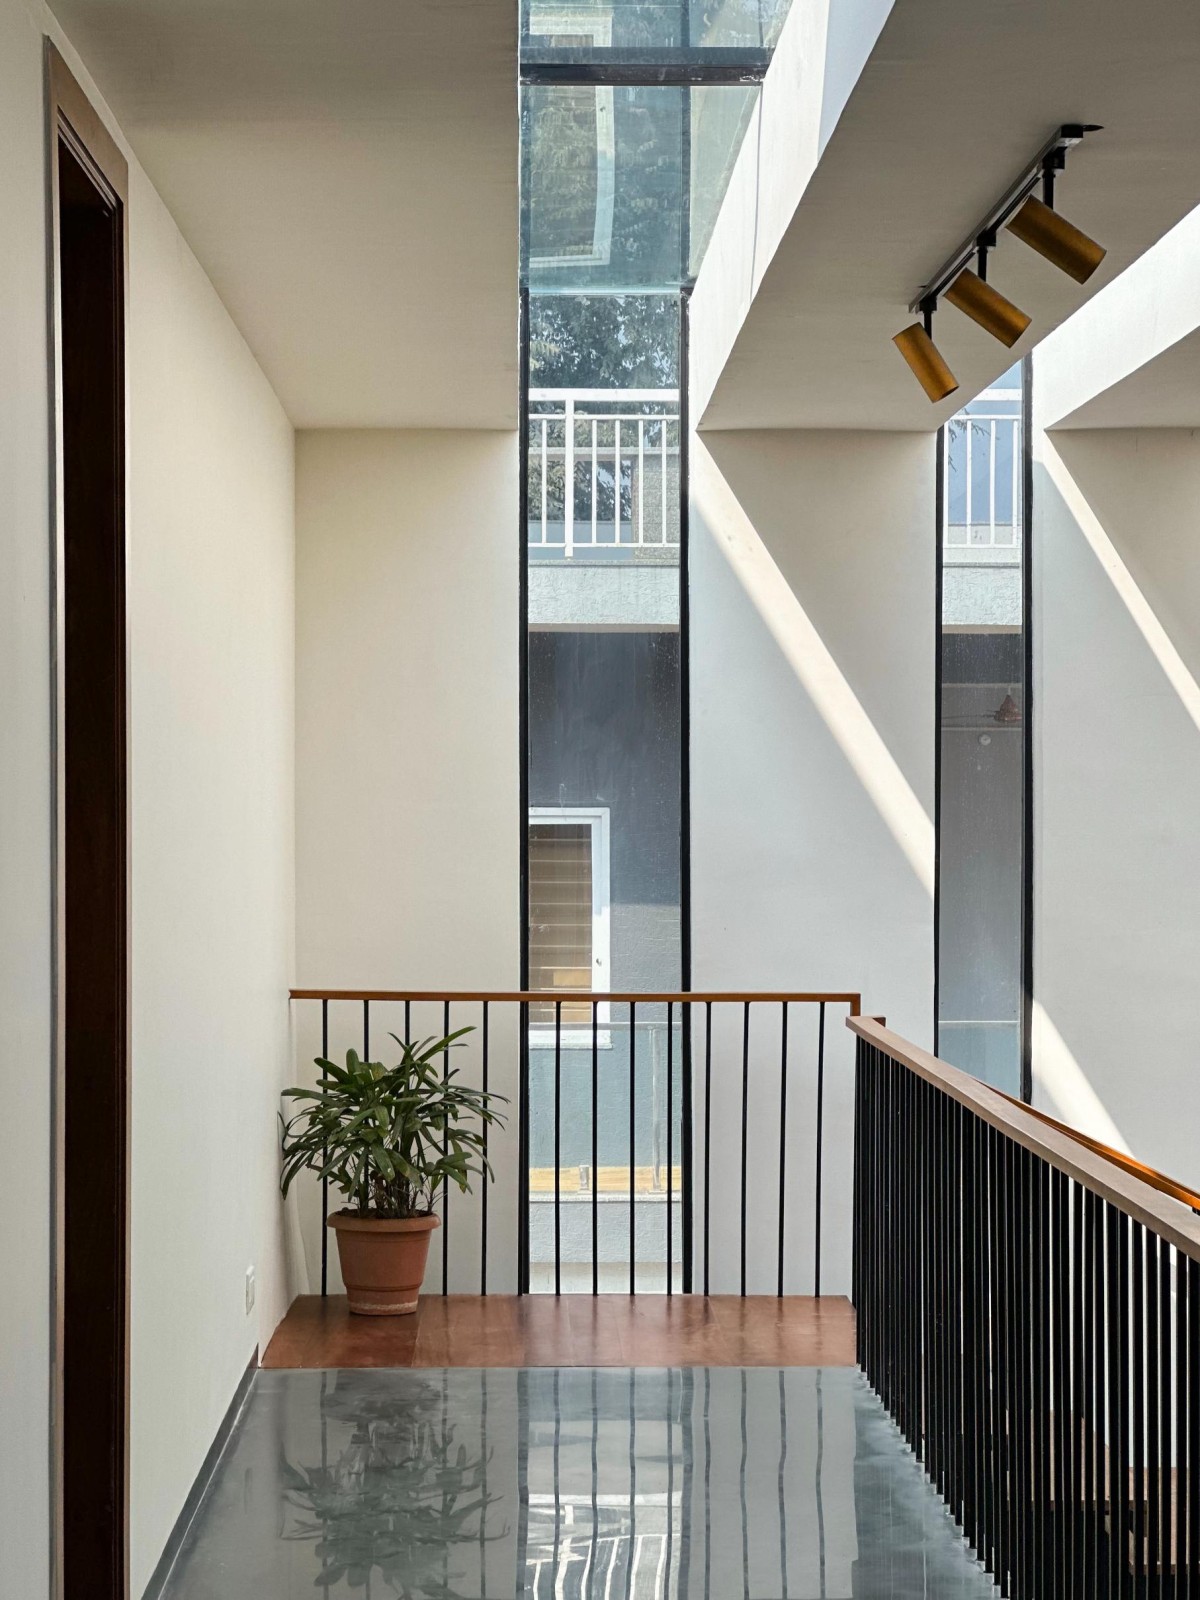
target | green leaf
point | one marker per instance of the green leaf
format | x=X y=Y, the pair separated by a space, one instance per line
x=388 y=1137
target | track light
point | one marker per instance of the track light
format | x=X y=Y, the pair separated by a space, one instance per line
x=1052 y=236
x=987 y=306
x=924 y=359
x=1033 y=221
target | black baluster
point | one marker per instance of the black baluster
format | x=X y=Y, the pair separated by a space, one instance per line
x=595 y=1148
x=820 y=1148
x=523 y=1200
x=1079 y=1371
x=707 y=1130
x=1166 y=1378
x=1192 y=1370
x=745 y=1129
x=324 y=1158
x=1153 y=1417
x=1060 y=1347
x=1137 y=1385
x=670 y=1148
x=1118 y=1536
x=783 y=1070
x=483 y=1239
x=1092 y=1355
x=1124 y=1429
x=1185 y=1400
x=1105 y=1574
x=632 y=1142
x=445 y=1152
x=687 y=1184
x=557 y=1149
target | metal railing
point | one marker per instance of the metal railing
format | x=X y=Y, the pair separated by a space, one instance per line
x=603 y=471
x=982 y=478
x=1028 y=1309
x=724 y=1075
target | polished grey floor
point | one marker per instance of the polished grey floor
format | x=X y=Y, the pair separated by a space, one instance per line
x=571 y=1484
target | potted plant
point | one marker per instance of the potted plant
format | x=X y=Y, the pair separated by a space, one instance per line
x=388 y=1138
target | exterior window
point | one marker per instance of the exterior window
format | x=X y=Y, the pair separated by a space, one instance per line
x=568 y=908
x=622 y=175
x=982 y=887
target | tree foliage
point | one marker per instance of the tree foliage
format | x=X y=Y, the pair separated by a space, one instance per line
x=628 y=341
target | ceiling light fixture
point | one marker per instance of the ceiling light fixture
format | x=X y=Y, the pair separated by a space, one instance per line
x=1052 y=236
x=985 y=305
x=1033 y=221
x=924 y=359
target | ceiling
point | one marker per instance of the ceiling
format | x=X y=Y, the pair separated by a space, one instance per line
x=954 y=101
x=346 y=172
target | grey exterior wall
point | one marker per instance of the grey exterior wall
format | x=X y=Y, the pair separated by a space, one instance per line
x=604 y=730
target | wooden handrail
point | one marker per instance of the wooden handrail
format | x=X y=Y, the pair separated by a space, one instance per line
x=1119 y=1179
x=1151 y=1175
x=573 y=996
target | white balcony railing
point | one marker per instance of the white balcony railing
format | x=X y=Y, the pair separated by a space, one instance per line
x=983 y=457
x=603 y=473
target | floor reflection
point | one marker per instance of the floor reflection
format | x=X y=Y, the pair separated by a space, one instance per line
x=571 y=1484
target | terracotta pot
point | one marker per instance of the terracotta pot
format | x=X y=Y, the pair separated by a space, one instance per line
x=383 y=1261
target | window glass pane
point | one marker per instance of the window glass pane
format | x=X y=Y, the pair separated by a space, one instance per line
x=604 y=735
x=690 y=26
x=604 y=487
x=621 y=190
x=983 y=464
x=622 y=185
x=981 y=882
x=569 y=137
x=603 y=187
x=719 y=119
x=956 y=480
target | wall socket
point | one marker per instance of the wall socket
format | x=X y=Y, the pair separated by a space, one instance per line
x=249 y=1290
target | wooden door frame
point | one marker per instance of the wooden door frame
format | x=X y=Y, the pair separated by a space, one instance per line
x=72 y=119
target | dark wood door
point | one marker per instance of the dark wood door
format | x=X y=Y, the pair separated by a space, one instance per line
x=93 y=912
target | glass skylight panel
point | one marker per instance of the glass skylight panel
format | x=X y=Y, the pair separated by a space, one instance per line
x=678 y=25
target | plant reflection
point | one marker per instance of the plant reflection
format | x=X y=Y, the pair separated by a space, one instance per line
x=397 y=1501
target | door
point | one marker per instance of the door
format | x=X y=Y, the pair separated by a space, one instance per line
x=91 y=869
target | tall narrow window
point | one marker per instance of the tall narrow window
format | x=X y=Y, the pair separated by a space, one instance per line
x=625 y=161
x=983 y=895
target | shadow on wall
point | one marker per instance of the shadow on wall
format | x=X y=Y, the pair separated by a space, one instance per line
x=812 y=634
x=827 y=575
x=1117 y=776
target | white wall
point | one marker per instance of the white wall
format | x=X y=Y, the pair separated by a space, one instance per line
x=812 y=727
x=211 y=657
x=25 y=815
x=212 y=813
x=407 y=793
x=1116 y=780
x=407 y=695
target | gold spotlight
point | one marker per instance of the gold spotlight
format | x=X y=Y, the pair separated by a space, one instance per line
x=925 y=362
x=1058 y=240
x=987 y=306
